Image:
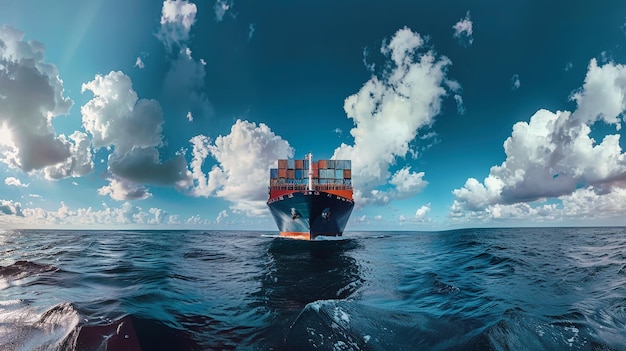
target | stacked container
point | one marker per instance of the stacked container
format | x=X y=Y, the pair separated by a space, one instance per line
x=328 y=172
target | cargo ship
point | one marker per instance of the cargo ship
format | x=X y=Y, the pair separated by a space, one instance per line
x=309 y=199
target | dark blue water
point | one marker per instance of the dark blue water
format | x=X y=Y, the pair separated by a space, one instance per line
x=487 y=289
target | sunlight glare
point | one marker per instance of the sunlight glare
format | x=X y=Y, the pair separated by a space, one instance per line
x=6 y=136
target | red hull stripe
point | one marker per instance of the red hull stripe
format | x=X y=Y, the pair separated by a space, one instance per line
x=297 y=235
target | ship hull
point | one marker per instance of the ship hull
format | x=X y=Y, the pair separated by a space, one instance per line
x=309 y=214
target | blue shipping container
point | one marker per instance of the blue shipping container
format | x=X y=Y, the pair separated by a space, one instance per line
x=291 y=164
x=299 y=174
x=338 y=164
x=331 y=164
x=348 y=164
x=327 y=173
x=338 y=174
x=274 y=173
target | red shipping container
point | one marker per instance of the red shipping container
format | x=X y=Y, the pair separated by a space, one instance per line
x=347 y=174
x=291 y=174
x=323 y=164
x=299 y=164
x=316 y=173
x=282 y=172
x=315 y=165
x=282 y=164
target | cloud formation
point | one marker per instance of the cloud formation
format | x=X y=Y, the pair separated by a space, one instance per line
x=116 y=118
x=553 y=155
x=32 y=96
x=221 y=7
x=388 y=112
x=244 y=158
x=177 y=17
x=15 y=182
x=463 y=31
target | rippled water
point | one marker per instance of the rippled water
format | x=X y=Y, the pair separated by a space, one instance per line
x=474 y=289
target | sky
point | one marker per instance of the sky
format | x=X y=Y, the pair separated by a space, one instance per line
x=149 y=114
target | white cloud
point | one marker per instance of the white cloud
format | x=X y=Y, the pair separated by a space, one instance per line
x=421 y=212
x=15 y=182
x=378 y=217
x=568 y=66
x=116 y=118
x=11 y=208
x=221 y=216
x=460 y=107
x=79 y=163
x=177 y=17
x=515 y=82
x=338 y=131
x=121 y=190
x=139 y=63
x=463 y=31
x=554 y=156
x=32 y=96
x=389 y=112
x=221 y=7
x=189 y=116
x=408 y=183
x=244 y=158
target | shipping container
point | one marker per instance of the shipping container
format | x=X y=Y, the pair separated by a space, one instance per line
x=316 y=173
x=299 y=164
x=282 y=173
x=345 y=164
x=347 y=174
x=299 y=174
x=331 y=164
x=327 y=173
x=338 y=164
x=291 y=164
x=306 y=164
x=291 y=174
x=273 y=173
x=282 y=164
x=338 y=174
x=323 y=164
x=315 y=165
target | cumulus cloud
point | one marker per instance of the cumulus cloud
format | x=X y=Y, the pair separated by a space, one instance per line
x=221 y=216
x=15 y=182
x=221 y=7
x=80 y=161
x=553 y=155
x=11 y=208
x=388 y=113
x=117 y=119
x=463 y=31
x=244 y=158
x=515 y=82
x=32 y=96
x=421 y=212
x=177 y=17
x=121 y=189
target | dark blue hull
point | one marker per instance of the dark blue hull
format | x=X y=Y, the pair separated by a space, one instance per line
x=308 y=214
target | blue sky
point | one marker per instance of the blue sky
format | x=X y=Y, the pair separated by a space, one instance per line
x=150 y=114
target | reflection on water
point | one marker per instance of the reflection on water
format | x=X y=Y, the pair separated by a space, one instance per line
x=300 y=272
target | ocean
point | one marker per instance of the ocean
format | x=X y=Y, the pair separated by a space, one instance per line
x=471 y=289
